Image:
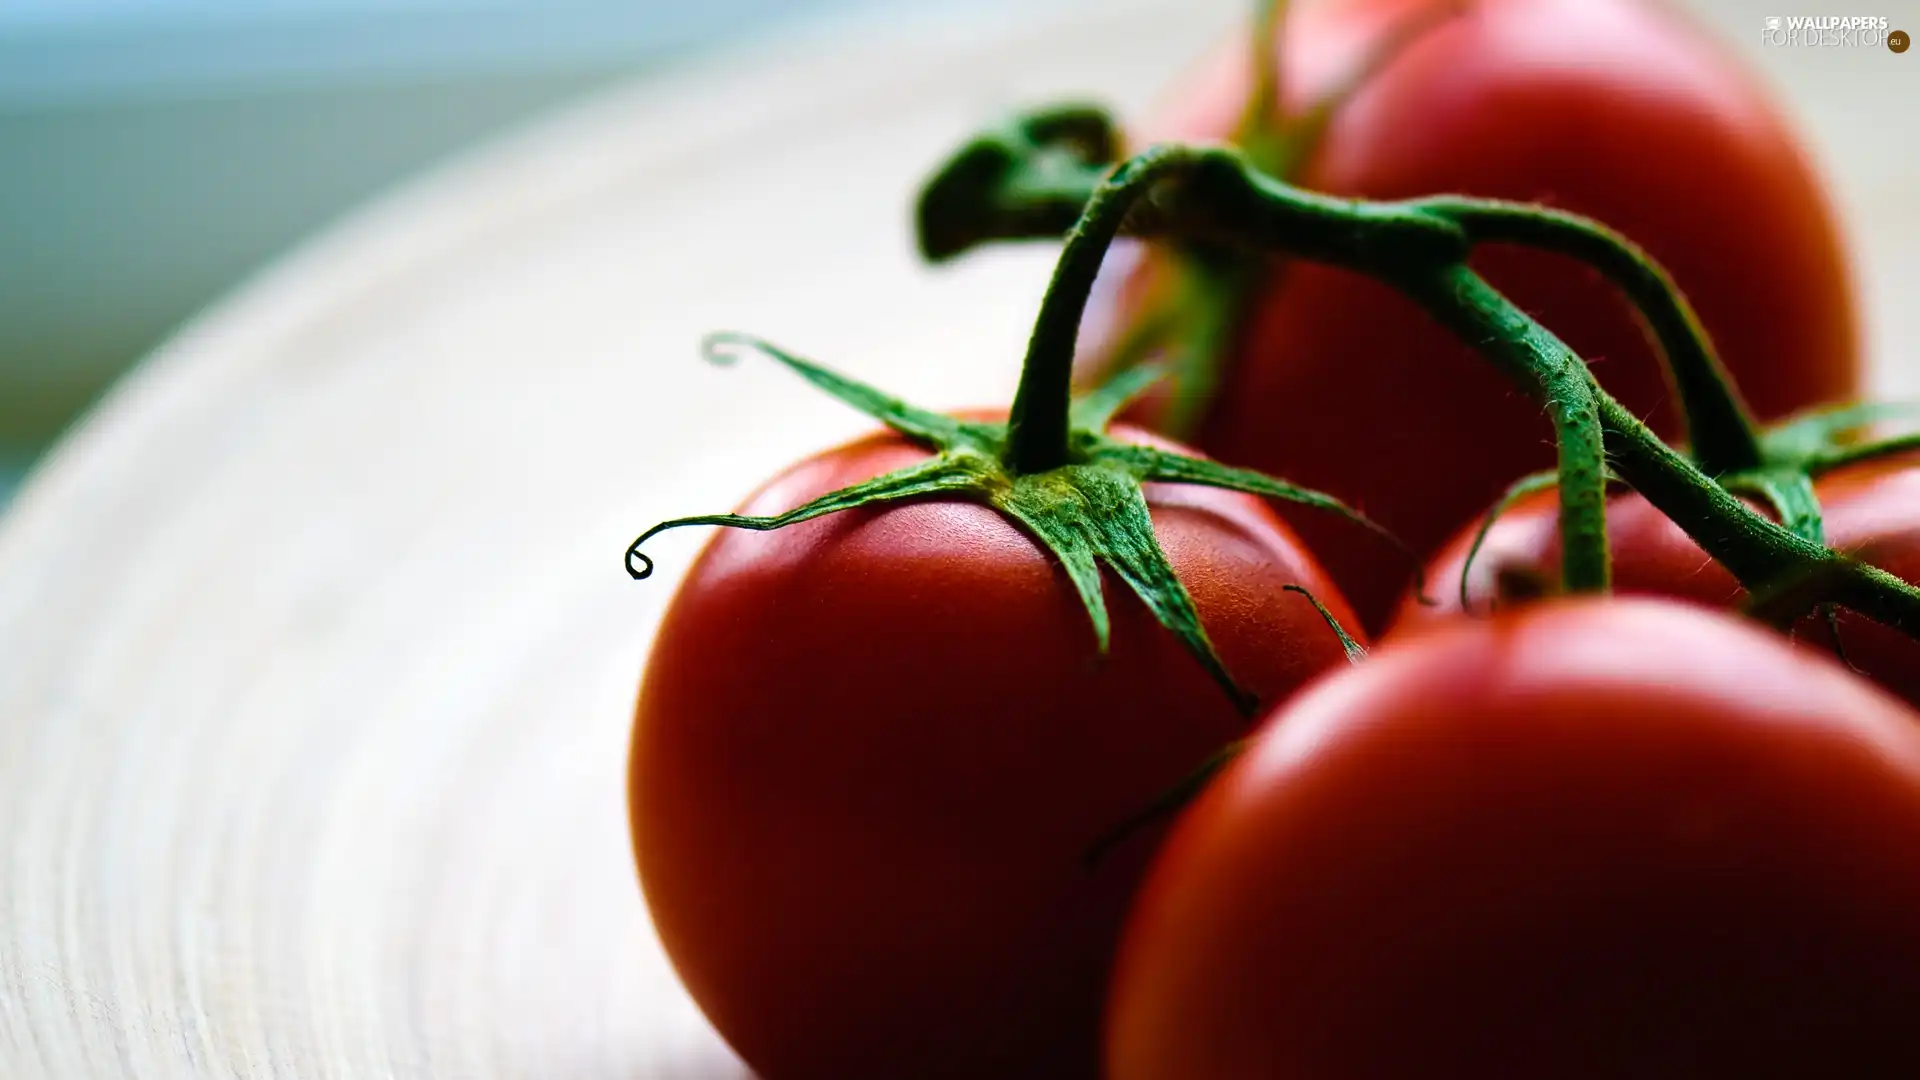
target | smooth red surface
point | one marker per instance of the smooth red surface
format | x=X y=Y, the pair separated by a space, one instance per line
x=1592 y=839
x=1870 y=510
x=1617 y=109
x=872 y=750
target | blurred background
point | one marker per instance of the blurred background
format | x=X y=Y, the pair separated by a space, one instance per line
x=153 y=152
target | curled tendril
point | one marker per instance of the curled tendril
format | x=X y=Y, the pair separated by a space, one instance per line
x=644 y=569
x=722 y=347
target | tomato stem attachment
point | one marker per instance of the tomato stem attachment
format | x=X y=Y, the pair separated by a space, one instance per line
x=1090 y=512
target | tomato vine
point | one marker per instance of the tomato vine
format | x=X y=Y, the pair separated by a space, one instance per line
x=1419 y=246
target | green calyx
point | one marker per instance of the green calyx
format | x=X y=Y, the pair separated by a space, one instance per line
x=1089 y=511
x=1051 y=467
x=1792 y=456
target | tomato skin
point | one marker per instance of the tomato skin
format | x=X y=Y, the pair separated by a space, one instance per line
x=1615 y=838
x=1617 y=109
x=1871 y=511
x=871 y=752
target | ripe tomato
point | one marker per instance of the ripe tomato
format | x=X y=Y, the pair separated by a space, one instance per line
x=1613 y=838
x=1871 y=510
x=1616 y=109
x=872 y=751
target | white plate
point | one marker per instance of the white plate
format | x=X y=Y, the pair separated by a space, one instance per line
x=318 y=648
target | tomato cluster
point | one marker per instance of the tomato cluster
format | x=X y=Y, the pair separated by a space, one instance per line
x=1031 y=744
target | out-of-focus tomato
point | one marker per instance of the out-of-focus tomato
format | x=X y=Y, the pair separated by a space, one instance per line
x=1616 y=109
x=873 y=750
x=1613 y=838
x=1871 y=511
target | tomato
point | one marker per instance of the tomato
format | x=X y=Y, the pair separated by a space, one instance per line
x=1617 y=109
x=1614 y=838
x=872 y=751
x=1871 y=511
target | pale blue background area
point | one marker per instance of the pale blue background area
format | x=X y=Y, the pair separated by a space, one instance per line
x=152 y=152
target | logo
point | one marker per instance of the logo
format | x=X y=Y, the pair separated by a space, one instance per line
x=1832 y=31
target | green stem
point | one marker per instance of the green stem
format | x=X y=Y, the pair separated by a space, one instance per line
x=1039 y=424
x=1721 y=431
x=1228 y=201
x=1552 y=374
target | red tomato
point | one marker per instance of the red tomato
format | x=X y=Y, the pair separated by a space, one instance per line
x=872 y=751
x=1586 y=839
x=1871 y=510
x=1617 y=109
